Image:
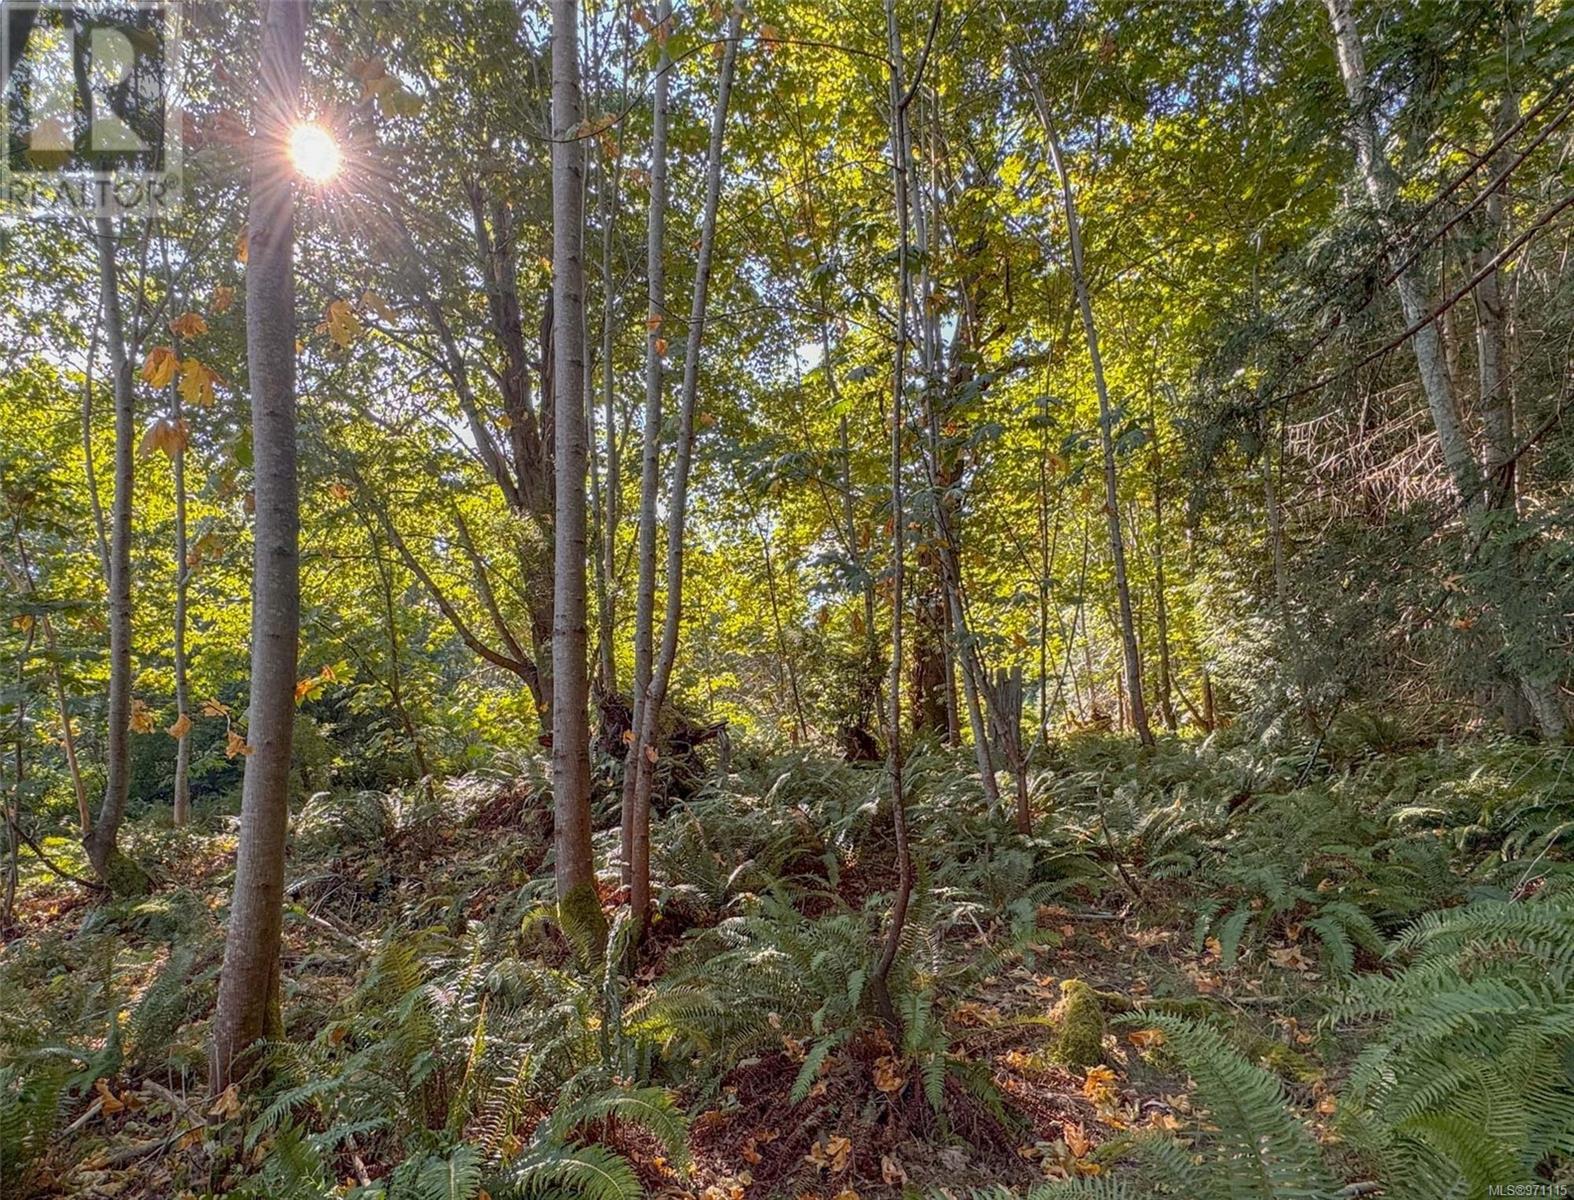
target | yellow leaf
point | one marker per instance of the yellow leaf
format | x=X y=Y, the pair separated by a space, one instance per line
x=158 y=369
x=1144 y=1038
x=242 y=246
x=839 y=1150
x=141 y=717
x=650 y=754
x=180 y=728
x=166 y=434
x=1077 y=1140
x=212 y=708
x=661 y=345
x=888 y=1075
x=338 y=491
x=343 y=325
x=188 y=325
x=223 y=298
x=235 y=744
x=371 y=300
x=107 y=1103
x=196 y=383
x=227 y=1106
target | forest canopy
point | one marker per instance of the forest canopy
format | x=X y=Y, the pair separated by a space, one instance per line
x=851 y=599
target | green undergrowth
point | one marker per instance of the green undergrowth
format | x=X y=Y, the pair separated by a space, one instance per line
x=1357 y=967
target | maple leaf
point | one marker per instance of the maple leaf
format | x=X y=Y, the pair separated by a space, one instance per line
x=158 y=369
x=196 y=383
x=227 y=1105
x=888 y=1075
x=1099 y=1086
x=242 y=246
x=235 y=744
x=839 y=1150
x=1077 y=1140
x=188 y=325
x=107 y=1102
x=1290 y=957
x=343 y=325
x=892 y=1170
x=1144 y=1038
x=373 y=301
x=213 y=708
x=223 y=298
x=166 y=434
x=180 y=728
x=141 y=717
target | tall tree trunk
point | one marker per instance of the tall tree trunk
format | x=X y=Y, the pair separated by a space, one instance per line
x=101 y=842
x=100 y=536
x=1377 y=175
x=181 y=808
x=869 y=677
x=612 y=484
x=934 y=698
x=650 y=452
x=880 y=977
x=1117 y=547
x=1161 y=610
x=678 y=494
x=248 y=1004
x=578 y=903
x=1281 y=579
x=1497 y=397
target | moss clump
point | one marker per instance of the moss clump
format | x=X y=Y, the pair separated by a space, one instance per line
x=583 y=923
x=124 y=877
x=1080 y=1040
x=1288 y=1064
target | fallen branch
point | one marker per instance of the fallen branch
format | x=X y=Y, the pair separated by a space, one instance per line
x=27 y=840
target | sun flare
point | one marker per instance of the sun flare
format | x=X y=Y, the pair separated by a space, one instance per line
x=314 y=152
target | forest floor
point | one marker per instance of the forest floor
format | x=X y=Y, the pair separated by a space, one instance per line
x=1013 y=1105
